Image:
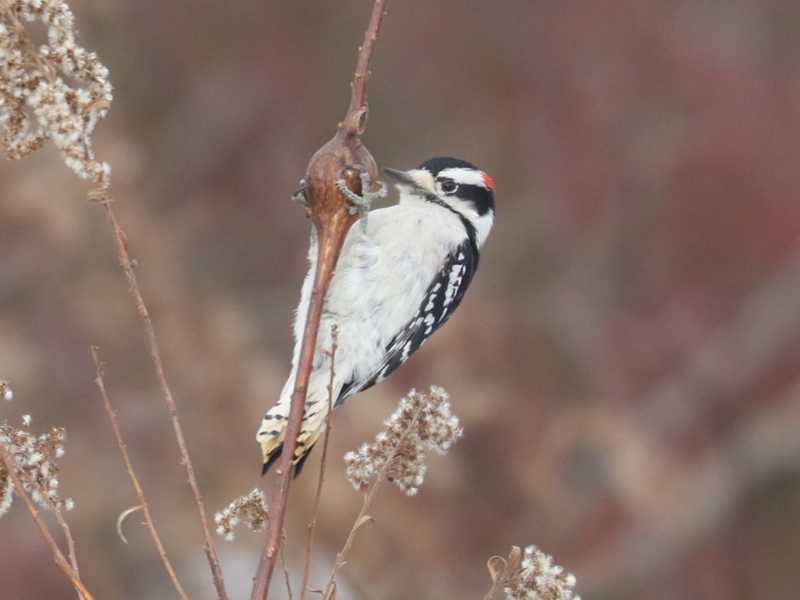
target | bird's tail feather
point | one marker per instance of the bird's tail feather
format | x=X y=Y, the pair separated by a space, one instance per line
x=272 y=433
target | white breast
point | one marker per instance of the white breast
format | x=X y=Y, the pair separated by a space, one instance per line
x=380 y=281
x=383 y=274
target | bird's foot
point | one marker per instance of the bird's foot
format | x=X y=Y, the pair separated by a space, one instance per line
x=361 y=204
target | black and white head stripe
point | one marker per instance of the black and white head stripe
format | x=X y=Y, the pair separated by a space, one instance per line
x=462 y=179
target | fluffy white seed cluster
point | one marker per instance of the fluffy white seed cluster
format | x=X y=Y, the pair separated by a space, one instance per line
x=35 y=458
x=250 y=509
x=36 y=101
x=539 y=578
x=422 y=422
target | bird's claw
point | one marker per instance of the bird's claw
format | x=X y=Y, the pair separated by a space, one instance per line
x=361 y=204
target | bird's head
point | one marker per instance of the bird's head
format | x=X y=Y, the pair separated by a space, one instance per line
x=454 y=184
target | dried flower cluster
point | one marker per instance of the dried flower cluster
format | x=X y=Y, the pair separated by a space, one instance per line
x=536 y=577
x=421 y=422
x=60 y=86
x=35 y=458
x=251 y=508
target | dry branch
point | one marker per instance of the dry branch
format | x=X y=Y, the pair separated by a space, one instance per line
x=71 y=553
x=328 y=210
x=123 y=448
x=125 y=262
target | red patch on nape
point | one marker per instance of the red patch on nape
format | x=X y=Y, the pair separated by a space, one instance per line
x=488 y=181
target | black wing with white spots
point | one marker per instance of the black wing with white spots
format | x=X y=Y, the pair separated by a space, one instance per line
x=440 y=301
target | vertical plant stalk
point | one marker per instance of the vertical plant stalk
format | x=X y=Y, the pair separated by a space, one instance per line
x=155 y=355
x=71 y=553
x=123 y=448
x=58 y=556
x=286 y=577
x=362 y=517
x=328 y=210
x=323 y=461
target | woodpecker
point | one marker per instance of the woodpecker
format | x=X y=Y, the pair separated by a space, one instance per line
x=397 y=281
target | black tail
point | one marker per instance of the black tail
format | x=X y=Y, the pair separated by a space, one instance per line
x=276 y=453
x=273 y=456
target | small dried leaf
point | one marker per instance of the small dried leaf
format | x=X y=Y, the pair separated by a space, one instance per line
x=514 y=559
x=121 y=518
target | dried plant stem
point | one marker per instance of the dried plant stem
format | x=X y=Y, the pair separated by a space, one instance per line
x=369 y=497
x=312 y=525
x=490 y=594
x=358 y=97
x=322 y=279
x=155 y=355
x=286 y=577
x=327 y=208
x=123 y=448
x=499 y=575
x=58 y=556
x=73 y=556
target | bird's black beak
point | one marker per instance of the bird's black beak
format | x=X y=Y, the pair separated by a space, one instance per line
x=400 y=176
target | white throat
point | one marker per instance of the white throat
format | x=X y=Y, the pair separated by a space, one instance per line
x=482 y=223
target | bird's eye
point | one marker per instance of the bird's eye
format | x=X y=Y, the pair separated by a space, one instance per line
x=448 y=186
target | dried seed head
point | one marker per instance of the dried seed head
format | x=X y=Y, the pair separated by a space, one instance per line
x=422 y=422
x=251 y=508
x=537 y=577
x=36 y=101
x=35 y=462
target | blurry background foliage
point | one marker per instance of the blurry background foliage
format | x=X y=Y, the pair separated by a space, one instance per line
x=625 y=365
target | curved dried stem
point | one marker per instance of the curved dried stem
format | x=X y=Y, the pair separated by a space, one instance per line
x=123 y=448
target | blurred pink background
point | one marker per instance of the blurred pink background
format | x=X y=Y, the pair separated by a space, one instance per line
x=625 y=364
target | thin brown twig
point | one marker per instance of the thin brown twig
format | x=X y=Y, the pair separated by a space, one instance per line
x=58 y=556
x=123 y=448
x=358 y=96
x=155 y=354
x=492 y=590
x=312 y=525
x=369 y=497
x=286 y=577
x=71 y=553
x=327 y=207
